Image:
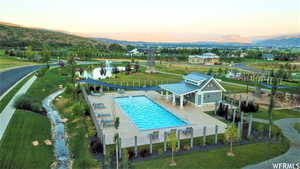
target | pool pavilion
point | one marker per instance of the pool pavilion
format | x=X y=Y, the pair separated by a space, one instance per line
x=198 y=89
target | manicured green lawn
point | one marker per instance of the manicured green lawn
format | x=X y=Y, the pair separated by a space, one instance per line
x=217 y=159
x=144 y=78
x=297 y=127
x=16 y=149
x=234 y=89
x=49 y=83
x=277 y=114
x=5 y=100
x=7 y=62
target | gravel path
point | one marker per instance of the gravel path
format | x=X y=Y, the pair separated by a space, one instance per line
x=292 y=156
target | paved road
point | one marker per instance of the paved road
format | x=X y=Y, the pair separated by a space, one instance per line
x=245 y=67
x=10 y=77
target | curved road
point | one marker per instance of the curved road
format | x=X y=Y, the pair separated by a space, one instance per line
x=10 y=77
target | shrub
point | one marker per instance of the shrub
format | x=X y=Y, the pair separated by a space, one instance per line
x=160 y=151
x=41 y=72
x=96 y=146
x=144 y=152
x=26 y=102
x=186 y=147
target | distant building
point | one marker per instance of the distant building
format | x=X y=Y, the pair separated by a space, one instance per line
x=206 y=59
x=242 y=55
x=134 y=52
x=268 y=57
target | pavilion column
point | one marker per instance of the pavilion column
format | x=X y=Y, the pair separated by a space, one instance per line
x=181 y=101
x=167 y=95
x=173 y=99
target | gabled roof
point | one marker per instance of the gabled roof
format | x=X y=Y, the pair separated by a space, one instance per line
x=196 y=76
x=179 y=88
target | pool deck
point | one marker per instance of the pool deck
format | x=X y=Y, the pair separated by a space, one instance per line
x=191 y=114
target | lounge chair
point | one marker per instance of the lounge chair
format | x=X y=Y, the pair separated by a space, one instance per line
x=98 y=105
x=107 y=123
x=99 y=115
x=96 y=94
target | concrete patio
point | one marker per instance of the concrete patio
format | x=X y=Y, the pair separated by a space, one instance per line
x=194 y=116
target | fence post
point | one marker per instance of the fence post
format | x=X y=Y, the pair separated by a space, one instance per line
x=204 y=135
x=234 y=114
x=150 y=143
x=120 y=148
x=178 y=139
x=216 y=135
x=239 y=129
x=165 y=141
x=103 y=144
x=250 y=125
x=192 y=138
x=135 y=146
x=242 y=123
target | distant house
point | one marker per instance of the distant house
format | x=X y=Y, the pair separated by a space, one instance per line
x=134 y=52
x=242 y=55
x=198 y=89
x=206 y=59
x=267 y=57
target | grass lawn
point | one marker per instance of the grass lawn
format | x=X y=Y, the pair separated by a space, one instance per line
x=217 y=159
x=7 y=62
x=78 y=127
x=142 y=76
x=234 y=89
x=275 y=65
x=6 y=99
x=297 y=127
x=16 y=149
x=277 y=114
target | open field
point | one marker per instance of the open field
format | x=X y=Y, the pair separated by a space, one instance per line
x=7 y=62
x=16 y=149
x=275 y=65
x=216 y=159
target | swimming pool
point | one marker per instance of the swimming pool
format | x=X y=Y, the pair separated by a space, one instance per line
x=146 y=114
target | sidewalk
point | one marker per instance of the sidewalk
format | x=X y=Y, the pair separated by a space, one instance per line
x=9 y=110
x=292 y=156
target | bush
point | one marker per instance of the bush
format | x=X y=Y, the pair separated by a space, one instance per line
x=26 y=102
x=41 y=72
x=144 y=152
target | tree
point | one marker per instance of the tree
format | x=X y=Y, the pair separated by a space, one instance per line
x=72 y=63
x=231 y=135
x=271 y=105
x=137 y=67
x=172 y=142
x=128 y=68
x=45 y=55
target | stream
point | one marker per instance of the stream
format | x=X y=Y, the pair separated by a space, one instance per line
x=58 y=134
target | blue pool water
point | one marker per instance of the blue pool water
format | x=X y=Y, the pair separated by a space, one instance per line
x=147 y=114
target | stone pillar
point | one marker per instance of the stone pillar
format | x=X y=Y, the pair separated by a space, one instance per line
x=103 y=144
x=135 y=146
x=165 y=141
x=181 y=101
x=234 y=114
x=150 y=143
x=204 y=135
x=216 y=135
x=174 y=99
x=167 y=95
x=192 y=138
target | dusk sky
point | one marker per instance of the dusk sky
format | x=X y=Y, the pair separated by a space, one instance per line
x=136 y=19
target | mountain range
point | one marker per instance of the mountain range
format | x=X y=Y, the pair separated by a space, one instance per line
x=14 y=35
